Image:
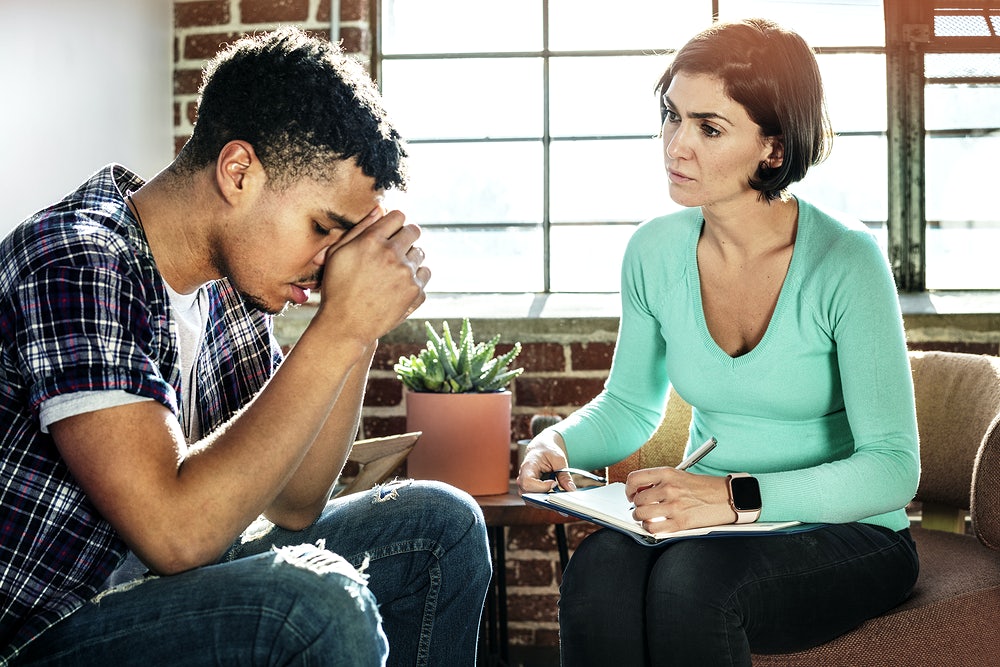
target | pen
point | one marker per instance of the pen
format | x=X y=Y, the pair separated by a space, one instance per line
x=576 y=471
x=698 y=454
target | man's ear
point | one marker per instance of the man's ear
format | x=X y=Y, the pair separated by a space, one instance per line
x=237 y=169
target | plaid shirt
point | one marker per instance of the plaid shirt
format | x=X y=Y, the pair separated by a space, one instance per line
x=82 y=307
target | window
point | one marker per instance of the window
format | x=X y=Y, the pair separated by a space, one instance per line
x=962 y=121
x=532 y=131
x=532 y=134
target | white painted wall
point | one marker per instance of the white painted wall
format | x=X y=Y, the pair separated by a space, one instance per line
x=82 y=84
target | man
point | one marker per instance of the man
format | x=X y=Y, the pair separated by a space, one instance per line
x=145 y=417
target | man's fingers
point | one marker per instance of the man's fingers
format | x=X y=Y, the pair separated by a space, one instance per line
x=416 y=255
x=424 y=275
x=422 y=297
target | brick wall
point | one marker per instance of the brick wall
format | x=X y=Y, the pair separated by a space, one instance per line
x=202 y=26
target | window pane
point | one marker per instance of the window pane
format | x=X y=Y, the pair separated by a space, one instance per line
x=881 y=232
x=963 y=258
x=445 y=99
x=961 y=106
x=854 y=179
x=820 y=22
x=506 y=259
x=605 y=96
x=959 y=171
x=959 y=65
x=969 y=22
x=844 y=88
x=473 y=183
x=597 y=181
x=626 y=24
x=963 y=225
x=460 y=26
x=588 y=258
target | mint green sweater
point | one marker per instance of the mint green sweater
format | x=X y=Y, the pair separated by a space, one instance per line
x=821 y=411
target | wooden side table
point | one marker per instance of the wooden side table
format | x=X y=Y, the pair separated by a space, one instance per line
x=501 y=511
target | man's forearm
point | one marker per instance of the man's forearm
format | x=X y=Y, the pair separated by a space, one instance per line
x=254 y=457
x=309 y=489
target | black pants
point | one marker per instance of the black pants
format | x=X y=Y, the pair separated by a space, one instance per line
x=705 y=602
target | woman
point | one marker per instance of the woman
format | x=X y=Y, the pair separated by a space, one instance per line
x=779 y=324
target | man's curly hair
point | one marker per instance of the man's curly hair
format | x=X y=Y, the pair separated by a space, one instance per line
x=301 y=103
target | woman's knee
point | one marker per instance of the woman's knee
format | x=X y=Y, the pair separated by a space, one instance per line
x=702 y=572
x=601 y=601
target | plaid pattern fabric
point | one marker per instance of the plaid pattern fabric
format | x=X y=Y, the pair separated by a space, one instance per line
x=82 y=307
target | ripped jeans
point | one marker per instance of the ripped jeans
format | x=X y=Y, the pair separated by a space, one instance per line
x=277 y=599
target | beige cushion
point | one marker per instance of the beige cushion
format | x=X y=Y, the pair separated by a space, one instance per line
x=665 y=447
x=958 y=396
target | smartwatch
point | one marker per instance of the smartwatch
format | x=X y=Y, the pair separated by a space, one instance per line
x=744 y=496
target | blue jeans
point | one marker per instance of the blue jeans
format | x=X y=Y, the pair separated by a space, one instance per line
x=278 y=599
x=711 y=602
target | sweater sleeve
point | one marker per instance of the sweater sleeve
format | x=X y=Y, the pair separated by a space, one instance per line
x=855 y=297
x=626 y=413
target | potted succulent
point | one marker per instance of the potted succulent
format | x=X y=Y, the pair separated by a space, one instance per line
x=457 y=397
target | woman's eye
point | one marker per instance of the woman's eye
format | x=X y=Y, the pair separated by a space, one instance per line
x=671 y=115
x=710 y=130
x=320 y=229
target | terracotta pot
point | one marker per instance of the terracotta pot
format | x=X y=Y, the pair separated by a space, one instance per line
x=465 y=441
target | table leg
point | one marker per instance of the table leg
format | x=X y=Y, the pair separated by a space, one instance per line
x=497 y=633
x=563 y=547
x=494 y=636
x=501 y=511
x=501 y=565
x=487 y=628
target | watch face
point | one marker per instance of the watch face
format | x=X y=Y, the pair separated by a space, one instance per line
x=746 y=493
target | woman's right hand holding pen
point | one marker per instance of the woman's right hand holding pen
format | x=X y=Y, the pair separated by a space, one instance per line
x=670 y=499
x=667 y=499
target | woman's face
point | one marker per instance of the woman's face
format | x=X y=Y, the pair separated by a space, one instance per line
x=711 y=147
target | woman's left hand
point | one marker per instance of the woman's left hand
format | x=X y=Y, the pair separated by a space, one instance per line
x=668 y=500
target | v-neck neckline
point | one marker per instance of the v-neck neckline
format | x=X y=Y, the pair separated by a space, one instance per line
x=699 y=308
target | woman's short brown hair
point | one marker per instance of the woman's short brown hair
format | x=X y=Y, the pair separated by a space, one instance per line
x=773 y=74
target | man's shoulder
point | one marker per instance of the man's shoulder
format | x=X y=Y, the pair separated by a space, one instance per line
x=88 y=227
